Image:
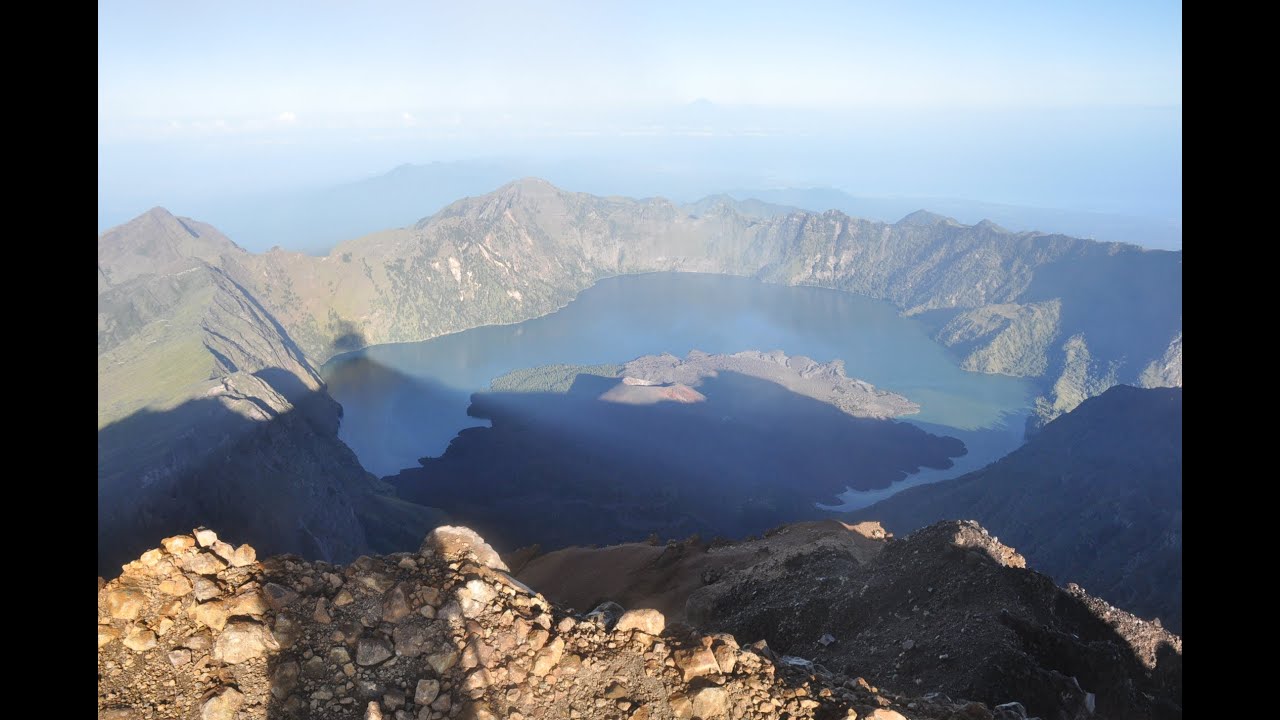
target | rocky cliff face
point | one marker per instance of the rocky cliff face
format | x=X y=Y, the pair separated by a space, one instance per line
x=198 y=628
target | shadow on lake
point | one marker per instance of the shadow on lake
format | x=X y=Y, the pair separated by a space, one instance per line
x=560 y=469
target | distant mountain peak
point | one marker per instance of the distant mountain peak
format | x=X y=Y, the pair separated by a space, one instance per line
x=529 y=184
x=924 y=217
x=988 y=225
x=158 y=213
x=157 y=242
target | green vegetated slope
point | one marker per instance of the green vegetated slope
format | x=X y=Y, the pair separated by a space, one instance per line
x=1113 y=471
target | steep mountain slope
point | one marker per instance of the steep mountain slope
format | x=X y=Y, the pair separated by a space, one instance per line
x=1095 y=498
x=208 y=412
x=948 y=609
x=199 y=628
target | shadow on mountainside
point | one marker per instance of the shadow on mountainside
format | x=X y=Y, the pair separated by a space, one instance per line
x=396 y=418
x=1135 y=307
x=1095 y=498
x=949 y=609
x=564 y=469
x=346 y=337
x=272 y=472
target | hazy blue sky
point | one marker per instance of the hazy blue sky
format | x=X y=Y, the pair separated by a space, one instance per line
x=1000 y=99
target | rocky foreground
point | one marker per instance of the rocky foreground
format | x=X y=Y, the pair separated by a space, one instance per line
x=201 y=629
x=946 y=609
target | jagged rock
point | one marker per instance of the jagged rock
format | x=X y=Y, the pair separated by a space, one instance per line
x=443 y=659
x=681 y=705
x=884 y=714
x=243 y=640
x=373 y=650
x=647 y=621
x=211 y=614
x=410 y=639
x=279 y=596
x=321 y=614
x=726 y=656
x=284 y=679
x=244 y=556
x=373 y=711
x=287 y=630
x=203 y=564
x=139 y=639
x=426 y=691
x=204 y=589
x=205 y=536
x=460 y=543
x=224 y=551
x=249 y=602
x=606 y=614
x=151 y=558
x=222 y=706
x=177 y=586
x=476 y=682
x=378 y=582
x=395 y=607
x=179 y=657
x=1009 y=711
x=125 y=603
x=106 y=634
x=474 y=596
x=178 y=544
x=696 y=662
x=710 y=702
x=548 y=657
x=198 y=642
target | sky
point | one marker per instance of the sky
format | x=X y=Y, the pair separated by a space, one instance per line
x=1058 y=104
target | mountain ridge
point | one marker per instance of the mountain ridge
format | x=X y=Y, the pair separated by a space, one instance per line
x=529 y=247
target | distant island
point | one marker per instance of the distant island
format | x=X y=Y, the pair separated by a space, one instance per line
x=654 y=378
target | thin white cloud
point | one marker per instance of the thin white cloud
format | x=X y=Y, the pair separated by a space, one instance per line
x=408 y=119
x=288 y=117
